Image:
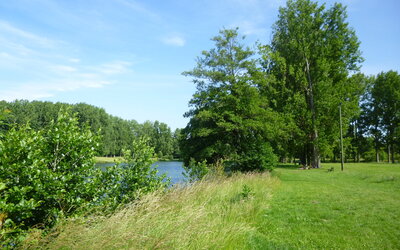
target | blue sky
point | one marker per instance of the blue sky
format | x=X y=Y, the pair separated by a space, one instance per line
x=127 y=56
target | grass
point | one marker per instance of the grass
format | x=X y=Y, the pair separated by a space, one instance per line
x=102 y=159
x=355 y=209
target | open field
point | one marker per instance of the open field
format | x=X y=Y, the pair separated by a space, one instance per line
x=354 y=209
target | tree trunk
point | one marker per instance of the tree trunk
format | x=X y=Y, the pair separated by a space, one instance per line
x=377 y=155
x=388 y=153
x=315 y=162
x=393 y=153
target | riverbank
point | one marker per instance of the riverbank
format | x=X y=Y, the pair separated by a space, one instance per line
x=293 y=208
x=103 y=159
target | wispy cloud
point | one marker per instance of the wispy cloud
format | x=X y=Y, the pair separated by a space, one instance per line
x=41 y=66
x=37 y=90
x=11 y=30
x=113 y=68
x=64 y=78
x=174 y=40
x=140 y=8
x=63 y=68
x=74 y=60
x=250 y=28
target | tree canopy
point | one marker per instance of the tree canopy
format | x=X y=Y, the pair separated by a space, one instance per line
x=229 y=118
x=312 y=53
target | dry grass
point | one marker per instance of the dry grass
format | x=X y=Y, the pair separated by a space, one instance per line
x=210 y=214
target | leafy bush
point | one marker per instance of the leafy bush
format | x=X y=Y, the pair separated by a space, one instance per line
x=257 y=157
x=195 y=171
x=49 y=174
x=124 y=182
x=45 y=174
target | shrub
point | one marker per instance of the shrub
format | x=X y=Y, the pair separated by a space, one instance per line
x=195 y=171
x=49 y=174
x=124 y=182
x=256 y=157
x=44 y=174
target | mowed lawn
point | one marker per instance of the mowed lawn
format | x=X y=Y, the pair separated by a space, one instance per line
x=358 y=208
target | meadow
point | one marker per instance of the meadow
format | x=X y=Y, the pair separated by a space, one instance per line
x=289 y=208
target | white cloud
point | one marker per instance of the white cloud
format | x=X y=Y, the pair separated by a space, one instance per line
x=35 y=90
x=63 y=78
x=63 y=69
x=174 y=40
x=74 y=60
x=112 y=68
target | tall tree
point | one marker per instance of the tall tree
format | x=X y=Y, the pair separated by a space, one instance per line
x=383 y=110
x=228 y=116
x=312 y=53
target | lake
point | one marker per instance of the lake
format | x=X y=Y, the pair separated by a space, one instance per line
x=173 y=169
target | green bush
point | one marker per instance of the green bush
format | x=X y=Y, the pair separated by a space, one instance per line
x=45 y=174
x=49 y=174
x=127 y=181
x=256 y=157
x=195 y=171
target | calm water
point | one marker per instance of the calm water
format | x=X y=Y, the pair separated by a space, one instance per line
x=173 y=169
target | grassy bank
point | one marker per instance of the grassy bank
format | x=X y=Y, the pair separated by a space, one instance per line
x=211 y=214
x=357 y=208
x=102 y=159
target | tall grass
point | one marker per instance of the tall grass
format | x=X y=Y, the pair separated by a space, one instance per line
x=358 y=208
x=222 y=212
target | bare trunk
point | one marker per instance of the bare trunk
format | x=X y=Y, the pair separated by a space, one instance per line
x=393 y=153
x=388 y=153
x=377 y=155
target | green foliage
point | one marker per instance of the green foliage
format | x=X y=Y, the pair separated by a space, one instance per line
x=229 y=118
x=259 y=156
x=381 y=115
x=195 y=171
x=49 y=174
x=247 y=192
x=116 y=134
x=44 y=174
x=354 y=209
x=312 y=53
x=127 y=181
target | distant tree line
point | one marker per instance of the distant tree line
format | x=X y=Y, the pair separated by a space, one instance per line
x=116 y=134
x=282 y=99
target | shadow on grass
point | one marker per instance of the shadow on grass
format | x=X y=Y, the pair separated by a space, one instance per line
x=288 y=166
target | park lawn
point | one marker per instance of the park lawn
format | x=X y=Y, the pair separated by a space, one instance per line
x=358 y=208
x=354 y=209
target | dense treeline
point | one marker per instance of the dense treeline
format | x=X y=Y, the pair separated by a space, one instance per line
x=116 y=134
x=283 y=98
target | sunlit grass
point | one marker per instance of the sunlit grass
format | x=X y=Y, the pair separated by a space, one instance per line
x=102 y=159
x=354 y=209
x=219 y=213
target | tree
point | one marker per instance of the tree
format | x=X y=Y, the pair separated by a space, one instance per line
x=312 y=53
x=229 y=118
x=382 y=112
